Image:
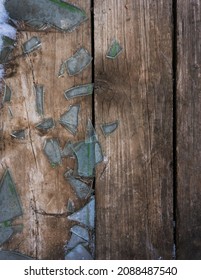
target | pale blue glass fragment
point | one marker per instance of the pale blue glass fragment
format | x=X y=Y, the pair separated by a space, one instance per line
x=81 y=232
x=45 y=125
x=74 y=241
x=39 y=91
x=70 y=119
x=12 y=255
x=82 y=90
x=108 y=128
x=32 y=44
x=78 y=253
x=53 y=151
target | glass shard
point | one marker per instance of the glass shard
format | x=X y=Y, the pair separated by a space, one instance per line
x=109 y=127
x=18 y=134
x=82 y=190
x=38 y=13
x=78 y=253
x=10 y=207
x=114 y=50
x=86 y=215
x=67 y=151
x=62 y=70
x=5 y=233
x=12 y=255
x=39 y=91
x=6 y=50
x=45 y=125
x=79 y=61
x=78 y=91
x=98 y=153
x=31 y=45
x=7 y=94
x=81 y=232
x=70 y=206
x=74 y=241
x=70 y=119
x=91 y=135
x=53 y=151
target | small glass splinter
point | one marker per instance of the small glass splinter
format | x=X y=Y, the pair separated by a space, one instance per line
x=108 y=128
x=114 y=50
x=39 y=90
x=31 y=45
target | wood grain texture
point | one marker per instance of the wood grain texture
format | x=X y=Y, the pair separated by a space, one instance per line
x=43 y=191
x=134 y=185
x=188 y=129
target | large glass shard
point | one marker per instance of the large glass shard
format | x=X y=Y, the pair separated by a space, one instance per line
x=70 y=119
x=39 y=91
x=78 y=91
x=81 y=232
x=109 y=127
x=45 y=125
x=7 y=94
x=18 y=134
x=12 y=255
x=114 y=50
x=53 y=151
x=74 y=241
x=86 y=215
x=79 y=61
x=31 y=45
x=78 y=253
x=38 y=13
x=82 y=190
x=10 y=207
x=5 y=233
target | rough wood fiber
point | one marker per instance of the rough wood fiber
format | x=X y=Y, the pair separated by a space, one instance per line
x=43 y=191
x=188 y=129
x=134 y=185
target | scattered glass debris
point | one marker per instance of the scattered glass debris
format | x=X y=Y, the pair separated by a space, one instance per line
x=44 y=13
x=5 y=233
x=78 y=253
x=81 y=232
x=109 y=127
x=39 y=90
x=78 y=91
x=79 y=61
x=70 y=119
x=31 y=45
x=10 y=207
x=74 y=241
x=82 y=190
x=67 y=151
x=70 y=206
x=7 y=94
x=45 y=125
x=114 y=50
x=12 y=255
x=53 y=151
x=18 y=134
x=86 y=215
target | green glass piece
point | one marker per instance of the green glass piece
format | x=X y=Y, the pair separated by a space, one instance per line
x=114 y=50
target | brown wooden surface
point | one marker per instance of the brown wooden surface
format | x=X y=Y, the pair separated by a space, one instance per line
x=188 y=129
x=43 y=191
x=134 y=186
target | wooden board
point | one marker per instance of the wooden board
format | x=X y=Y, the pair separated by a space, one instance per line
x=188 y=129
x=134 y=186
x=43 y=191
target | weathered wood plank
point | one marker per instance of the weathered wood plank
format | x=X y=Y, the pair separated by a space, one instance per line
x=134 y=186
x=43 y=191
x=188 y=129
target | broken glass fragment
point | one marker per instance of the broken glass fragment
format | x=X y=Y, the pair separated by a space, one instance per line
x=53 y=151
x=5 y=233
x=114 y=50
x=81 y=232
x=70 y=119
x=91 y=135
x=7 y=48
x=79 y=61
x=86 y=215
x=70 y=206
x=10 y=207
x=7 y=94
x=74 y=241
x=10 y=112
x=109 y=127
x=38 y=13
x=45 y=125
x=31 y=45
x=12 y=255
x=67 y=151
x=39 y=90
x=78 y=253
x=78 y=91
x=98 y=153
x=18 y=134
x=82 y=190
x=62 y=69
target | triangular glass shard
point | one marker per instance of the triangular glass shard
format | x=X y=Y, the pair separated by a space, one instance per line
x=70 y=206
x=39 y=91
x=45 y=125
x=81 y=232
x=114 y=50
x=62 y=69
x=53 y=151
x=67 y=150
x=78 y=91
x=74 y=241
x=78 y=62
x=7 y=94
x=5 y=233
x=78 y=253
x=10 y=207
x=108 y=128
x=31 y=45
x=55 y=13
x=12 y=255
x=91 y=135
x=70 y=119
x=81 y=189
x=86 y=215
x=18 y=134
x=98 y=153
